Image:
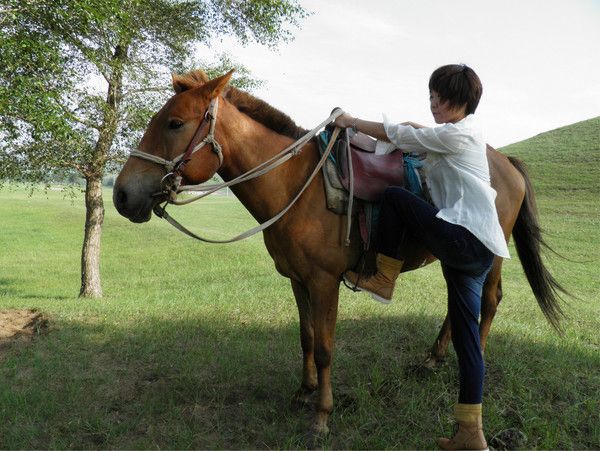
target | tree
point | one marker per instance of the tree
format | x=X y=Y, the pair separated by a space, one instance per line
x=78 y=82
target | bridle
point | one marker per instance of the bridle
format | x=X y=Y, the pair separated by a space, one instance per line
x=171 y=182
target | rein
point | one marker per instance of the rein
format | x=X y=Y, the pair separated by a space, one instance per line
x=172 y=181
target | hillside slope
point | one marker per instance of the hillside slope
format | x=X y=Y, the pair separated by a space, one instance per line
x=563 y=160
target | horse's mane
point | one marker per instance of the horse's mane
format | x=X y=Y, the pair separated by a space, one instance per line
x=257 y=109
x=262 y=112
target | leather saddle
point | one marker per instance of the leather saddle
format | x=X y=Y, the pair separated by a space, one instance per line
x=372 y=173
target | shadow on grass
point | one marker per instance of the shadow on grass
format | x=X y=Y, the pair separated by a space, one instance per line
x=7 y=287
x=198 y=383
x=10 y=288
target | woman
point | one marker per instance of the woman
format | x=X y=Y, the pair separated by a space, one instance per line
x=461 y=229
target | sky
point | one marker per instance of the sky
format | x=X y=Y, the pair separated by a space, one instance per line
x=539 y=61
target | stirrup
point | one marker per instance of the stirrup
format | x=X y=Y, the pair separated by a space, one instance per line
x=349 y=285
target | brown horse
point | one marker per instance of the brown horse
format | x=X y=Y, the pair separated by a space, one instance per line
x=306 y=244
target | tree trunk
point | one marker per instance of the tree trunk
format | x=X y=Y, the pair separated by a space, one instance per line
x=90 y=253
x=94 y=206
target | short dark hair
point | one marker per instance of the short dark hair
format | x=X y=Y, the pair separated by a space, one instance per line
x=458 y=84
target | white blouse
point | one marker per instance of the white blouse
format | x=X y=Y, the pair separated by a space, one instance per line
x=457 y=174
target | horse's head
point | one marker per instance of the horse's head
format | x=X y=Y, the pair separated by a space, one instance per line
x=178 y=126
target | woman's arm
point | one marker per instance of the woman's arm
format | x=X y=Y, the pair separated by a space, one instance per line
x=408 y=136
x=374 y=129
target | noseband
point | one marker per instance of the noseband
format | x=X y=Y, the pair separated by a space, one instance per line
x=171 y=182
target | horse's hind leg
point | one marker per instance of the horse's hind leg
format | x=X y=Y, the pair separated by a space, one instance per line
x=438 y=351
x=309 y=369
x=490 y=298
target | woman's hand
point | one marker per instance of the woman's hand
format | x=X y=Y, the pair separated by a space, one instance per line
x=344 y=121
x=413 y=124
x=374 y=129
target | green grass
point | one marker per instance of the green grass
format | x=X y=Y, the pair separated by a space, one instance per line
x=197 y=346
x=564 y=161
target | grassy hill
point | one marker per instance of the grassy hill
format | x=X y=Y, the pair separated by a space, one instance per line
x=565 y=160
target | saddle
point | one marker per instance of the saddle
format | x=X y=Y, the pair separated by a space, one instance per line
x=372 y=173
x=363 y=177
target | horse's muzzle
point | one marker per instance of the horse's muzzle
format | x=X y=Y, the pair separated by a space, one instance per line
x=135 y=201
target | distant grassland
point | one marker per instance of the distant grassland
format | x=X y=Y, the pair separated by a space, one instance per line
x=565 y=160
x=197 y=346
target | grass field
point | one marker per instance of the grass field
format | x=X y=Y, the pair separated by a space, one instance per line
x=197 y=346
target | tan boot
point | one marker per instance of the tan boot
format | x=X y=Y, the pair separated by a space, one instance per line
x=470 y=429
x=381 y=284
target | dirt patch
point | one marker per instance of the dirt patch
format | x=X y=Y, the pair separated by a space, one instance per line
x=23 y=324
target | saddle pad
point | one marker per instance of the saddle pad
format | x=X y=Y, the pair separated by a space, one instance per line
x=336 y=195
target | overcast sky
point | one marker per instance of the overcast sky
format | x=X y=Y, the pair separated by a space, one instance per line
x=539 y=61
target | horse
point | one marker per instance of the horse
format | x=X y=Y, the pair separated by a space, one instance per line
x=306 y=243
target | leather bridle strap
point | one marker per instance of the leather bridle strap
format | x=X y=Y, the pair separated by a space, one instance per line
x=211 y=117
x=175 y=166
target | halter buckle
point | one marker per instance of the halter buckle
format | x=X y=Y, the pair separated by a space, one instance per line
x=169 y=184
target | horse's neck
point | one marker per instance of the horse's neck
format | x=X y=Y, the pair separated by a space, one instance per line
x=248 y=145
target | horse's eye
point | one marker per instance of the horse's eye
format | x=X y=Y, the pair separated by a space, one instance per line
x=175 y=124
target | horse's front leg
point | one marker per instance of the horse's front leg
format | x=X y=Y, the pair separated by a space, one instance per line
x=324 y=294
x=309 y=370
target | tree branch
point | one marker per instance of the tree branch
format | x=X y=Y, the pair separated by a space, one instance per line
x=78 y=167
x=76 y=118
x=150 y=89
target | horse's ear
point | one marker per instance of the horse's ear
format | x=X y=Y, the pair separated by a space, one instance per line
x=181 y=83
x=199 y=75
x=216 y=86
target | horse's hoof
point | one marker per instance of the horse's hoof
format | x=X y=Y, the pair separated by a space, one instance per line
x=425 y=368
x=313 y=439
x=303 y=399
x=432 y=362
x=320 y=429
x=319 y=426
x=317 y=435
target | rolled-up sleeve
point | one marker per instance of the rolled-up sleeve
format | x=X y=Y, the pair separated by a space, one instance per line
x=443 y=139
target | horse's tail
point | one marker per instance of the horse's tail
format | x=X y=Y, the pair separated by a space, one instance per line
x=527 y=235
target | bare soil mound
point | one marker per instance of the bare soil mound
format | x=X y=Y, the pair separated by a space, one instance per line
x=21 y=324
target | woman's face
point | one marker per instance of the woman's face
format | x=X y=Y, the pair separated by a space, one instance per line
x=442 y=112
